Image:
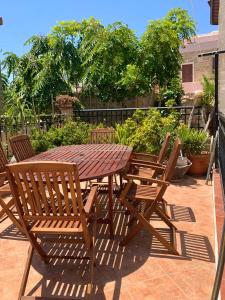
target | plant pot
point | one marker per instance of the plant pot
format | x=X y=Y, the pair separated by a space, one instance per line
x=183 y=165
x=200 y=163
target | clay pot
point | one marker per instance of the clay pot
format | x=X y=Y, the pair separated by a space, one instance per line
x=200 y=163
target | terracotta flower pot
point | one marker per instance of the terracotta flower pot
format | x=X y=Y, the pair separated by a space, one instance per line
x=200 y=163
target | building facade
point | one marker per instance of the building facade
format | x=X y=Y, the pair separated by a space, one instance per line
x=194 y=67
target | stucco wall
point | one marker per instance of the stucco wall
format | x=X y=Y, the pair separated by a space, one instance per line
x=202 y=65
x=222 y=57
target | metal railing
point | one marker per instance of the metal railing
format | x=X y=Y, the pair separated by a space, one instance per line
x=220 y=161
x=110 y=117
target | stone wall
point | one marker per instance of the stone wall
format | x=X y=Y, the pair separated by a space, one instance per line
x=222 y=57
x=91 y=103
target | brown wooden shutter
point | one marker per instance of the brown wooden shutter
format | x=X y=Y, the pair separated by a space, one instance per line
x=187 y=73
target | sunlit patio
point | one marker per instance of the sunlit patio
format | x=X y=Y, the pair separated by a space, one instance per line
x=143 y=269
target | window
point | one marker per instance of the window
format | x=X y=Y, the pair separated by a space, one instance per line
x=187 y=73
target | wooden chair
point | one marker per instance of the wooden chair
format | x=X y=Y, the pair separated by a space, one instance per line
x=21 y=147
x=103 y=136
x=148 y=199
x=142 y=162
x=6 y=202
x=49 y=202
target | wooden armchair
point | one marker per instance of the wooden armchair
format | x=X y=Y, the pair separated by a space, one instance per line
x=21 y=147
x=144 y=200
x=6 y=201
x=50 y=204
x=141 y=163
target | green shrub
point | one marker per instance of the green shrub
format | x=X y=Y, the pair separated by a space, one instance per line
x=193 y=141
x=73 y=133
x=39 y=141
x=145 y=131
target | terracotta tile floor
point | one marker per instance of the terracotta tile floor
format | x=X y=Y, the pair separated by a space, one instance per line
x=142 y=270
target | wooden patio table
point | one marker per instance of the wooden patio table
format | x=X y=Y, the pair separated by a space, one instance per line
x=94 y=161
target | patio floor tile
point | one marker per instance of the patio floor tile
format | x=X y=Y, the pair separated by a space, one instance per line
x=140 y=271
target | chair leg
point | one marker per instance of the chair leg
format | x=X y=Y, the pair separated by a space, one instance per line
x=26 y=272
x=38 y=248
x=7 y=211
x=164 y=217
x=92 y=261
x=144 y=222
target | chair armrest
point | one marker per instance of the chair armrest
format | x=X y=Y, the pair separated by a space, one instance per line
x=143 y=165
x=141 y=178
x=139 y=155
x=151 y=163
x=92 y=196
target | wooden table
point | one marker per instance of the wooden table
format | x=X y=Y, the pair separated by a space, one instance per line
x=94 y=161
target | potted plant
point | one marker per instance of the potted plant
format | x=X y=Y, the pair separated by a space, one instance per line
x=196 y=147
x=182 y=167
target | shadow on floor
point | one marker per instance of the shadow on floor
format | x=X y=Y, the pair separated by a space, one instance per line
x=181 y=213
x=12 y=233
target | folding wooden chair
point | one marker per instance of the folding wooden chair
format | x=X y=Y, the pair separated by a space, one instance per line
x=21 y=147
x=103 y=136
x=143 y=200
x=6 y=202
x=49 y=202
x=141 y=162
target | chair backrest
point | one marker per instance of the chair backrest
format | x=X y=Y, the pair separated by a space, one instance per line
x=103 y=136
x=3 y=159
x=164 y=148
x=21 y=147
x=172 y=161
x=46 y=191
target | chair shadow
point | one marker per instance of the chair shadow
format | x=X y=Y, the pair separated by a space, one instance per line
x=68 y=278
x=189 y=181
x=181 y=213
x=192 y=246
x=12 y=233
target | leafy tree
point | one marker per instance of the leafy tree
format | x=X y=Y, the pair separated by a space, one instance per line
x=160 y=44
x=50 y=67
x=109 y=63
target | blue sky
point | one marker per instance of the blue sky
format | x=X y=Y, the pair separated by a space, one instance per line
x=24 y=18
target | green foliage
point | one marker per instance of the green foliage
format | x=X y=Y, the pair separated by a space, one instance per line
x=161 y=58
x=182 y=23
x=193 y=141
x=39 y=141
x=208 y=97
x=105 y=60
x=173 y=91
x=145 y=131
x=109 y=63
x=73 y=133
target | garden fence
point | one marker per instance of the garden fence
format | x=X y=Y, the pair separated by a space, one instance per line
x=109 y=117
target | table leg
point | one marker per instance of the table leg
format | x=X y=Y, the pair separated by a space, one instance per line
x=110 y=207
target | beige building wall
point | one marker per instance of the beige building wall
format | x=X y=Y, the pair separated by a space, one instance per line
x=201 y=65
x=222 y=57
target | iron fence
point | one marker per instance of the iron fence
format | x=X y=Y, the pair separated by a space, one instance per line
x=220 y=163
x=110 y=117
